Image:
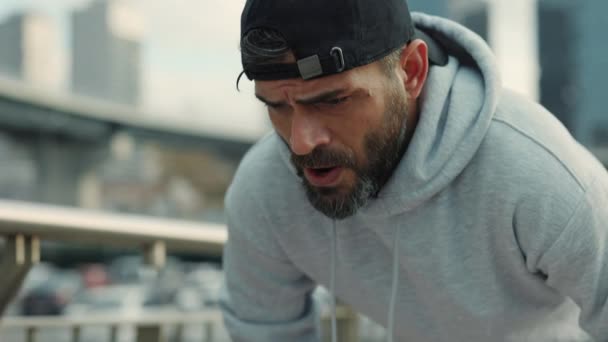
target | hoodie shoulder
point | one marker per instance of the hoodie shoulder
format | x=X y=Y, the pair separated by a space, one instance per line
x=535 y=135
x=542 y=173
x=528 y=162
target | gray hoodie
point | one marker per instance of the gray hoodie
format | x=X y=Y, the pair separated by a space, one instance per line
x=494 y=226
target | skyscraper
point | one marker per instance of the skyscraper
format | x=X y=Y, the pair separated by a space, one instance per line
x=104 y=64
x=11 y=51
x=433 y=7
x=471 y=13
x=592 y=55
x=44 y=54
x=574 y=63
x=558 y=83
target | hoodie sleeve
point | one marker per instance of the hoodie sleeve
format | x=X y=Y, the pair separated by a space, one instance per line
x=576 y=261
x=265 y=297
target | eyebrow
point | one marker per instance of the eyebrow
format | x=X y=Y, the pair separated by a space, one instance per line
x=323 y=97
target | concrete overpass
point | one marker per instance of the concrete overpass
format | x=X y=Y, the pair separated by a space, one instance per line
x=68 y=134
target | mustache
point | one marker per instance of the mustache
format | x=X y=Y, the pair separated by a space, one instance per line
x=323 y=157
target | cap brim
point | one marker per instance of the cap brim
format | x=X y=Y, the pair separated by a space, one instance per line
x=437 y=54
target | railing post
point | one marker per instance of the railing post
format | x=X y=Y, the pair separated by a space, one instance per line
x=155 y=254
x=113 y=333
x=208 y=335
x=348 y=325
x=76 y=333
x=179 y=333
x=149 y=333
x=20 y=253
x=30 y=333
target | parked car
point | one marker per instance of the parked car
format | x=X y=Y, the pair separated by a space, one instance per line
x=200 y=289
x=47 y=290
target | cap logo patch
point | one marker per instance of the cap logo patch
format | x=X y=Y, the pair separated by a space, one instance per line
x=310 y=67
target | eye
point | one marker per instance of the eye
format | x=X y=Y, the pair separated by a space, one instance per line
x=336 y=101
x=278 y=108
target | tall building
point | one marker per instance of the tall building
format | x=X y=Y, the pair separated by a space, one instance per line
x=558 y=81
x=33 y=50
x=592 y=59
x=574 y=61
x=11 y=51
x=105 y=64
x=433 y=7
x=45 y=60
x=471 y=13
x=474 y=15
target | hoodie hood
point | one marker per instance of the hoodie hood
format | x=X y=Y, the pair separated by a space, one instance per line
x=456 y=108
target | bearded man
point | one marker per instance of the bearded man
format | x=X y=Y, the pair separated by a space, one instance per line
x=403 y=177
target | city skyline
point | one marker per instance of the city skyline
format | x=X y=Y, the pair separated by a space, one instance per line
x=182 y=80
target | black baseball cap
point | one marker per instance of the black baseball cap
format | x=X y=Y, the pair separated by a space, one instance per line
x=332 y=36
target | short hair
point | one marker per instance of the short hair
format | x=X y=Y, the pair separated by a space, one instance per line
x=266 y=46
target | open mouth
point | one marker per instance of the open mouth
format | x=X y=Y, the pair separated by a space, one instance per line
x=323 y=176
x=322 y=171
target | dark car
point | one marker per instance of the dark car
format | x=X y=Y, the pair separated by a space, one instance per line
x=43 y=301
x=49 y=293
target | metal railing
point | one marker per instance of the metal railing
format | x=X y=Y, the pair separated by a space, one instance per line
x=25 y=225
x=148 y=327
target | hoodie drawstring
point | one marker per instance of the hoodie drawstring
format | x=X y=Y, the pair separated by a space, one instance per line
x=395 y=287
x=332 y=284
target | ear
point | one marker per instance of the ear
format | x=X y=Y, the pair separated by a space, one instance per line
x=414 y=66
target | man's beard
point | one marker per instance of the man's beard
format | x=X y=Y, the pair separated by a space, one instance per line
x=383 y=149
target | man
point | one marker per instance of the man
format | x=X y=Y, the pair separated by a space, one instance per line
x=403 y=177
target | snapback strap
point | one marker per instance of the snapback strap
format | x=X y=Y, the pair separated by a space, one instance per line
x=305 y=68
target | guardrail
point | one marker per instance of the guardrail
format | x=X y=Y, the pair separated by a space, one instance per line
x=25 y=225
x=148 y=327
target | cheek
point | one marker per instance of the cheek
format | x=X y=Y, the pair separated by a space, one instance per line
x=354 y=127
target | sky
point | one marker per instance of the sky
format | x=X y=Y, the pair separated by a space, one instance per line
x=190 y=62
x=195 y=58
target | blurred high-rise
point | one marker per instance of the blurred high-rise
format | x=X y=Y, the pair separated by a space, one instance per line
x=434 y=7
x=106 y=62
x=45 y=60
x=32 y=50
x=471 y=13
x=573 y=59
x=11 y=53
x=592 y=54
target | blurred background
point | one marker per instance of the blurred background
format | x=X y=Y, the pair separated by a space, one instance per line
x=130 y=106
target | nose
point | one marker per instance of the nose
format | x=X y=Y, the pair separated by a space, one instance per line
x=307 y=133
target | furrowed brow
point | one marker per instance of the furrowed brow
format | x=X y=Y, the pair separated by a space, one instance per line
x=270 y=103
x=323 y=97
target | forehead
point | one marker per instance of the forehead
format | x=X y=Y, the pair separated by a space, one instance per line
x=366 y=77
